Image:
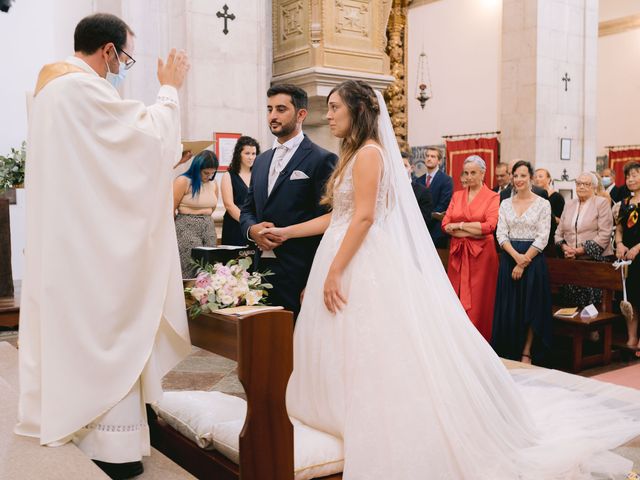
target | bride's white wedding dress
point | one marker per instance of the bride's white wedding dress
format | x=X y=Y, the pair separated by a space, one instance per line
x=414 y=390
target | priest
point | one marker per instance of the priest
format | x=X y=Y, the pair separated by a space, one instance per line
x=102 y=312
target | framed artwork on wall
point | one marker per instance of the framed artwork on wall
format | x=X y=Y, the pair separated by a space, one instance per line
x=225 y=143
x=565 y=149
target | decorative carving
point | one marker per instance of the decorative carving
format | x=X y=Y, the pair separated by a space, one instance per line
x=352 y=17
x=382 y=30
x=291 y=19
x=315 y=28
x=396 y=48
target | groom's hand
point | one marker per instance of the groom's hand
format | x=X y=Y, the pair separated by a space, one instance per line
x=257 y=235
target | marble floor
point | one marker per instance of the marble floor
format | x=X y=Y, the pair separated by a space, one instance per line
x=206 y=371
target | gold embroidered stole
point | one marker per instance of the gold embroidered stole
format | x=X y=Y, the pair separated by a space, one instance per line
x=52 y=71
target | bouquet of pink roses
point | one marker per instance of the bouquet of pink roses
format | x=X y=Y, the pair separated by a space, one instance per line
x=221 y=286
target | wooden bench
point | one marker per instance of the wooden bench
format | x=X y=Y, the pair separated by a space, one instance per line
x=262 y=344
x=586 y=274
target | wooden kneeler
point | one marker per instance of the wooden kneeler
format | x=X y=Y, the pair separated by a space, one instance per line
x=262 y=344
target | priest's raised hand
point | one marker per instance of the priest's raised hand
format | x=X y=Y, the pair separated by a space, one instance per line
x=173 y=71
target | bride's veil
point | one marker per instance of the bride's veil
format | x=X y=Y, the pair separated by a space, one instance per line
x=405 y=222
x=597 y=417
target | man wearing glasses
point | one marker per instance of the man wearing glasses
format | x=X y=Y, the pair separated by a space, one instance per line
x=102 y=316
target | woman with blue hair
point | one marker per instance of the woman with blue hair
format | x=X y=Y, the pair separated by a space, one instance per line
x=195 y=196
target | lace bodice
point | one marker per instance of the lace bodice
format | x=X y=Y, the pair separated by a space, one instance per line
x=534 y=224
x=343 y=194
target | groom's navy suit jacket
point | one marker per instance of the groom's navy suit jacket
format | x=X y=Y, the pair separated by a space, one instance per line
x=291 y=201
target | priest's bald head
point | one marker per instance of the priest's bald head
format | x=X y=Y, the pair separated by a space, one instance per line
x=105 y=43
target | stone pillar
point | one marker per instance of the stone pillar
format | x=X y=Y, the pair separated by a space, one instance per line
x=319 y=43
x=541 y=41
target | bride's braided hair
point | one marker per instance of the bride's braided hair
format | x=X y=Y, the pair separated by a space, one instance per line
x=364 y=110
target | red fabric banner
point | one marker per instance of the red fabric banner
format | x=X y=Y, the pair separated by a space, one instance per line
x=459 y=150
x=618 y=158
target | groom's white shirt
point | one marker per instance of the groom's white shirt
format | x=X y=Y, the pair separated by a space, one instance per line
x=292 y=146
x=274 y=170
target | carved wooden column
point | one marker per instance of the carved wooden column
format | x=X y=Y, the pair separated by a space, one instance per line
x=395 y=94
x=318 y=44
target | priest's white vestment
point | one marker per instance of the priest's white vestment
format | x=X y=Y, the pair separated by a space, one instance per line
x=102 y=307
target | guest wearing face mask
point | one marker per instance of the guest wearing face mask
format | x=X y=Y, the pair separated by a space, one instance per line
x=608 y=178
x=609 y=183
x=600 y=190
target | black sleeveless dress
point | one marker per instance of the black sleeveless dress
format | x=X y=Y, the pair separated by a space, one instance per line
x=231 y=234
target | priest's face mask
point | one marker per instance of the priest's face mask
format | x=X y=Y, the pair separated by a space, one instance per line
x=118 y=61
x=116 y=68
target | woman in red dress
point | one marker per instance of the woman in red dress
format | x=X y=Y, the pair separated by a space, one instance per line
x=471 y=219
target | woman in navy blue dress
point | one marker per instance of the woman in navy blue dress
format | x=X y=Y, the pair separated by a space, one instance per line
x=522 y=322
x=235 y=185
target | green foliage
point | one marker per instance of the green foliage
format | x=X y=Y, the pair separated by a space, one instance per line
x=12 y=168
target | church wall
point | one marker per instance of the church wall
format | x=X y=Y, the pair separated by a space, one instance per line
x=462 y=40
x=618 y=101
x=32 y=34
x=226 y=87
x=225 y=90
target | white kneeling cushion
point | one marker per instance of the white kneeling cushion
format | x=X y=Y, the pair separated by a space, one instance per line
x=214 y=420
x=195 y=414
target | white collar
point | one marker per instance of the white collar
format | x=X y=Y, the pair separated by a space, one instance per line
x=291 y=143
x=78 y=62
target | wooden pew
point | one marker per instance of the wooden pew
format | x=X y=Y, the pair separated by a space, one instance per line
x=262 y=344
x=586 y=274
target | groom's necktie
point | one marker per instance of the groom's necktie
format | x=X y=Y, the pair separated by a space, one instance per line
x=277 y=164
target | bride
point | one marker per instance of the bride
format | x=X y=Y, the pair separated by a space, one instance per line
x=386 y=359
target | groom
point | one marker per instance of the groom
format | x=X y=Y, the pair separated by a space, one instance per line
x=287 y=183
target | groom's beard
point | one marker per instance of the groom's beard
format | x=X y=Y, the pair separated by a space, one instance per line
x=282 y=130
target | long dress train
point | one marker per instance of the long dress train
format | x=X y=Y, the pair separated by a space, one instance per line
x=417 y=393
